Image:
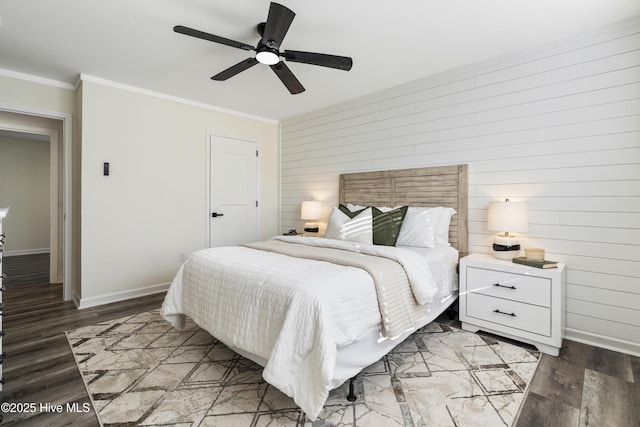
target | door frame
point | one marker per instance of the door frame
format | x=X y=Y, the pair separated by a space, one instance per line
x=207 y=222
x=66 y=164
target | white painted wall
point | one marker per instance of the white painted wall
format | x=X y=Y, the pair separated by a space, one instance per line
x=36 y=94
x=136 y=221
x=24 y=186
x=557 y=127
x=132 y=226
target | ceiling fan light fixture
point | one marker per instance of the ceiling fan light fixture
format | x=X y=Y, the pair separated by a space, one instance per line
x=268 y=56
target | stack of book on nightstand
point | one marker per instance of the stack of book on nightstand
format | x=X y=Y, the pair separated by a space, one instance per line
x=535 y=263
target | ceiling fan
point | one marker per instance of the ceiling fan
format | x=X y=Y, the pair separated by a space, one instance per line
x=267 y=50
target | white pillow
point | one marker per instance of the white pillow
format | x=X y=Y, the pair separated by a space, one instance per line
x=354 y=208
x=442 y=229
x=356 y=229
x=419 y=227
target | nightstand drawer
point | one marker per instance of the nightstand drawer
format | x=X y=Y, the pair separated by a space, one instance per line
x=516 y=287
x=511 y=314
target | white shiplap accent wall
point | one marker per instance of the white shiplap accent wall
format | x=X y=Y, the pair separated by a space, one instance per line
x=557 y=127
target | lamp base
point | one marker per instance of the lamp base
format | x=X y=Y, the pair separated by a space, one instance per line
x=311 y=227
x=506 y=247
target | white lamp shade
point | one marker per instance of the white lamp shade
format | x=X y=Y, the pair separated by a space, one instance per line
x=508 y=216
x=311 y=210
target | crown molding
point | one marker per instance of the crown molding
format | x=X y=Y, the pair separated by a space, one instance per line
x=135 y=89
x=36 y=79
x=106 y=82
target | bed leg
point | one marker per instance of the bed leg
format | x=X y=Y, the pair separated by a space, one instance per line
x=452 y=311
x=351 y=397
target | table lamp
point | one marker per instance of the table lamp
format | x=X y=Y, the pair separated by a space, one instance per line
x=507 y=217
x=311 y=212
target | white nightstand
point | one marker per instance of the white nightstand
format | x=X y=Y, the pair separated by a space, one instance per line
x=523 y=303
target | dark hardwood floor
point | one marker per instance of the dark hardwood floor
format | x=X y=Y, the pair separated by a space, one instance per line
x=26 y=269
x=584 y=386
x=39 y=366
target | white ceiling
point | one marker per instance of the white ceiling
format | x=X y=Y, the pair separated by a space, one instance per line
x=131 y=42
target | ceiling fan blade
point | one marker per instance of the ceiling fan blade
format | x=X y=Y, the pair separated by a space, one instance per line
x=332 y=61
x=235 y=69
x=278 y=23
x=211 y=37
x=286 y=76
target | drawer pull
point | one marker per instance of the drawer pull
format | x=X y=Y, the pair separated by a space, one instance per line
x=502 y=312
x=503 y=286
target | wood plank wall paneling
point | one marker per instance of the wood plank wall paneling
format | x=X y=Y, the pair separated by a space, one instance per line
x=557 y=126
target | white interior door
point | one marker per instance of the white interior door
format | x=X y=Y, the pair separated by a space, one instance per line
x=233 y=186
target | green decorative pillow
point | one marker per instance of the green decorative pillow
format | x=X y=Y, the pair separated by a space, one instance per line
x=386 y=225
x=345 y=210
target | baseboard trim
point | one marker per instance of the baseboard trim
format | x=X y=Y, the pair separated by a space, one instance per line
x=26 y=252
x=82 y=303
x=75 y=298
x=622 y=346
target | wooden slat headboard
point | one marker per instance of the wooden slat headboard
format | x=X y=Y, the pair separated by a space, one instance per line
x=431 y=186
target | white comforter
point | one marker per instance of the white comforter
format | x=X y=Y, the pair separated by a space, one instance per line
x=293 y=312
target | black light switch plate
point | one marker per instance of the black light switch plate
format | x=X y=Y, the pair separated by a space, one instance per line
x=105 y=168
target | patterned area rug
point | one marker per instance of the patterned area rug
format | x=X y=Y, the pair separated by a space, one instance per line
x=140 y=371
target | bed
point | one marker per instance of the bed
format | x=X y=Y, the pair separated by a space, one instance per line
x=315 y=311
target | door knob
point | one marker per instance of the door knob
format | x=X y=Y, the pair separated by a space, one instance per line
x=216 y=214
